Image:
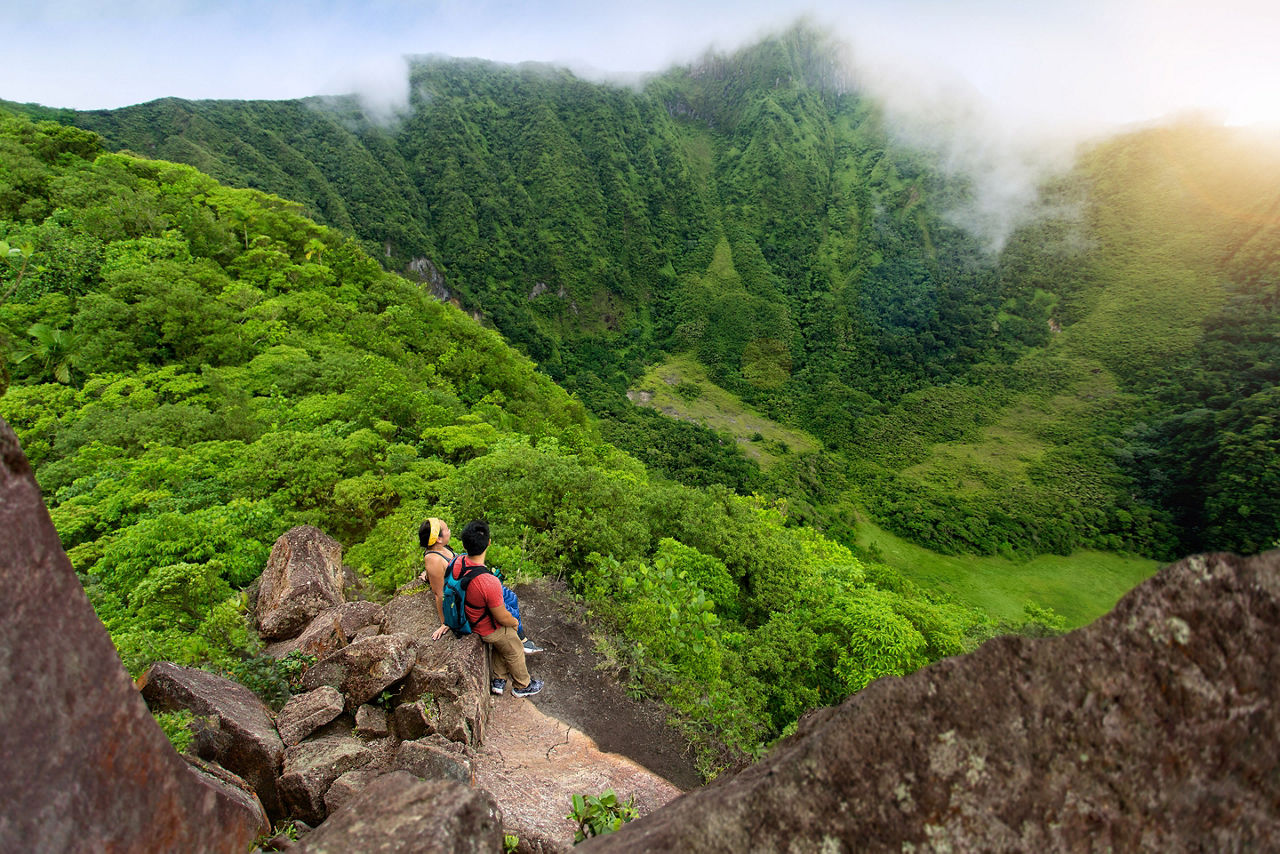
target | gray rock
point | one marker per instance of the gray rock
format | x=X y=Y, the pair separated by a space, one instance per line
x=1156 y=728
x=311 y=768
x=364 y=669
x=303 y=577
x=371 y=722
x=350 y=785
x=305 y=713
x=366 y=632
x=414 y=720
x=399 y=813
x=83 y=765
x=431 y=760
x=238 y=731
x=332 y=629
x=412 y=611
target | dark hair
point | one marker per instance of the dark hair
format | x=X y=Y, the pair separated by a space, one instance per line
x=475 y=537
x=424 y=534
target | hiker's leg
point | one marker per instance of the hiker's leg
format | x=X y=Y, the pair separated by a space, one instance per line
x=509 y=655
x=497 y=662
x=513 y=605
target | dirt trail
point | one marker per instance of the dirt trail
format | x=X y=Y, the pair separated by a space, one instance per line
x=533 y=765
x=581 y=735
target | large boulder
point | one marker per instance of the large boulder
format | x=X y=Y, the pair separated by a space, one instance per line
x=311 y=768
x=364 y=669
x=83 y=764
x=349 y=785
x=238 y=732
x=303 y=577
x=371 y=722
x=331 y=630
x=1157 y=728
x=399 y=814
x=306 y=713
x=233 y=788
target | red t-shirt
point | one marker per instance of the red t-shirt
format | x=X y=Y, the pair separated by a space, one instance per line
x=484 y=592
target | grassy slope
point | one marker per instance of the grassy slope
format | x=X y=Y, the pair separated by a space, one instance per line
x=1080 y=587
x=716 y=408
x=1167 y=207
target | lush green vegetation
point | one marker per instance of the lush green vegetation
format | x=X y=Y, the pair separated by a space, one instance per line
x=194 y=369
x=753 y=211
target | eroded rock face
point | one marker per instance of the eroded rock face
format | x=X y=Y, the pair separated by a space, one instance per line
x=240 y=734
x=331 y=630
x=303 y=577
x=94 y=773
x=363 y=669
x=400 y=813
x=306 y=713
x=450 y=677
x=412 y=611
x=1155 y=729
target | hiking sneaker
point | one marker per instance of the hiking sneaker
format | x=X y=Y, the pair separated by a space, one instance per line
x=532 y=688
x=497 y=686
x=531 y=648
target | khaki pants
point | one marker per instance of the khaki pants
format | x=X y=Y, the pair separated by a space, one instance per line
x=508 y=655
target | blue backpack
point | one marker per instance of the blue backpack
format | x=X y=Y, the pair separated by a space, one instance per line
x=455 y=596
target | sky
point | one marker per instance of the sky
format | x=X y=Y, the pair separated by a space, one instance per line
x=1003 y=90
x=1027 y=64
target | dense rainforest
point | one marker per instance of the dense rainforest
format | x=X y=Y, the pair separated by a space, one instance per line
x=1073 y=389
x=194 y=368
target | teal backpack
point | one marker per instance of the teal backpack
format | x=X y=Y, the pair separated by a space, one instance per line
x=455 y=596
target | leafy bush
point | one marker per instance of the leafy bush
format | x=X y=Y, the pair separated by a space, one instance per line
x=597 y=815
x=176 y=727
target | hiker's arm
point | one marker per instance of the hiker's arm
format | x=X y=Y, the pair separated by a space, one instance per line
x=503 y=617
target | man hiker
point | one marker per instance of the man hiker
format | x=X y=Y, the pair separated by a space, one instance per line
x=490 y=618
x=433 y=535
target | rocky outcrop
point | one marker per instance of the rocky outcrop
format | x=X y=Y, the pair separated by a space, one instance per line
x=238 y=732
x=371 y=722
x=303 y=577
x=331 y=630
x=399 y=812
x=312 y=767
x=348 y=786
x=1155 y=729
x=365 y=668
x=83 y=765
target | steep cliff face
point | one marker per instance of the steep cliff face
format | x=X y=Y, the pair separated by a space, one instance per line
x=83 y=765
x=1155 y=728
